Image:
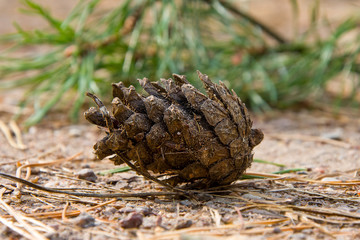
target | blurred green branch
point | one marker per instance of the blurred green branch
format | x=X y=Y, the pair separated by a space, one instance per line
x=90 y=49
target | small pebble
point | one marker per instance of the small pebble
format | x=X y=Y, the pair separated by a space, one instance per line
x=186 y=203
x=227 y=219
x=336 y=134
x=134 y=220
x=183 y=224
x=251 y=197
x=204 y=197
x=329 y=179
x=144 y=210
x=110 y=211
x=75 y=132
x=84 y=220
x=87 y=174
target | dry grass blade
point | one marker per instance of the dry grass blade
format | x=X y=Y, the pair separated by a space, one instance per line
x=28 y=166
x=61 y=160
x=326 y=211
x=339 y=183
x=63 y=214
x=273 y=205
x=215 y=215
x=7 y=132
x=300 y=179
x=316 y=225
x=16 y=130
x=332 y=221
x=20 y=231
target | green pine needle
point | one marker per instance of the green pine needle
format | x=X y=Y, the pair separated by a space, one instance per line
x=88 y=50
x=115 y=170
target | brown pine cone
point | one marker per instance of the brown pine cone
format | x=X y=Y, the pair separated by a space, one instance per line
x=177 y=130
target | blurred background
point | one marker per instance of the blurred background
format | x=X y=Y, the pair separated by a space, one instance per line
x=276 y=54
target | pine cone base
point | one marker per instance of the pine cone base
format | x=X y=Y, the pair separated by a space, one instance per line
x=178 y=131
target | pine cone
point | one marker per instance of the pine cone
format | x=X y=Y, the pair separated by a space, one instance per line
x=178 y=131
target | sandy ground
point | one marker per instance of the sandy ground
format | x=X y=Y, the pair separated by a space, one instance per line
x=295 y=139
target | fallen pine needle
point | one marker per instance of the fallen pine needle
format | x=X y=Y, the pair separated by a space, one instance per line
x=115 y=170
x=268 y=162
x=7 y=132
x=28 y=166
x=20 y=231
x=16 y=130
x=21 y=220
x=82 y=194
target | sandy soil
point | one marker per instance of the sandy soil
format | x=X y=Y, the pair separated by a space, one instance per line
x=294 y=139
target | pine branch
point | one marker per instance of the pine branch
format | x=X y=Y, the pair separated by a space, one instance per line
x=252 y=20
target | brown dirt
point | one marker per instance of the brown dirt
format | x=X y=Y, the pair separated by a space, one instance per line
x=257 y=208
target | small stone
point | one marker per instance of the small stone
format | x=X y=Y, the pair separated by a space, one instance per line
x=277 y=230
x=186 y=203
x=84 y=220
x=87 y=174
x=227 y=219
x=204 y=197
x=75 y=132
x=144 y=210
x=134 y=220
x=251 y=197
x=329 y=179
x=110 y=211
x=336 y=134
x=183 y=224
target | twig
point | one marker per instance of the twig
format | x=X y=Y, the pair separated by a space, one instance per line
x=99 y=195
x=59 y=214
x=252 y=20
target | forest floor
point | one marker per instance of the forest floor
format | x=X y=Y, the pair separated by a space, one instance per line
x=320 y=200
